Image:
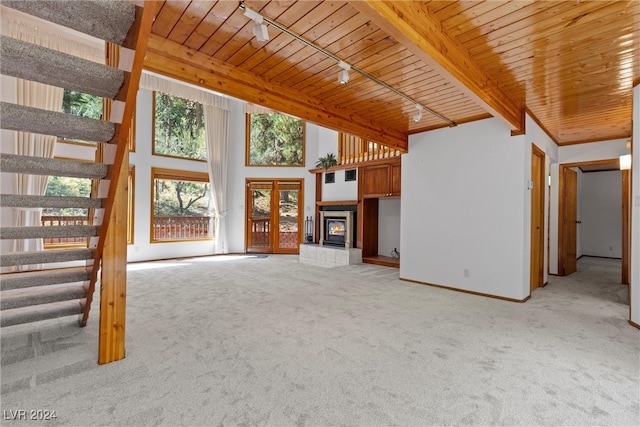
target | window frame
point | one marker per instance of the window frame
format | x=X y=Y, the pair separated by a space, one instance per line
x=247 y=145
x=174 y=175
x=153 y=132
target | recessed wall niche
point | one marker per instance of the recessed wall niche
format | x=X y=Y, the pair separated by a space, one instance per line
x=329 y=177
x=350 y=175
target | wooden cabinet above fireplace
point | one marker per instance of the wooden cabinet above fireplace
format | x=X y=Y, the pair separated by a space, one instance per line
x=382 y=180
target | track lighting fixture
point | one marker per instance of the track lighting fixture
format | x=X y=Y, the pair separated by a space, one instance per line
x=418 y=115
x=343 y=75
x=261 y=33
x=259 y=29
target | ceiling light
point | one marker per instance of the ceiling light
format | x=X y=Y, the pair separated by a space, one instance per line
x=343 y=75
x=418 y=115
x=261 y=33
x=259 y=29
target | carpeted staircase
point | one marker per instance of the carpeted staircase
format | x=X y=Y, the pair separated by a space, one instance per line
x=48 y=293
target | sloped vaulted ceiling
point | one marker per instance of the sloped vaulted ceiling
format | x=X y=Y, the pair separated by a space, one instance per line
x=571 y=64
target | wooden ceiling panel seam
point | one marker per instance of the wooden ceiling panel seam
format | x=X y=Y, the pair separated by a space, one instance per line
x=492 y=23
x=546 y=22
x=413 y=25
x=330 y=81
x=367 y=66
x=292 y=46
x=167 y=17
x=190 y=20
x=347 y=53
x=209 y=24
x=330 y=46
x=280 y=40
x=584 y=49
x=456 y=8
x=467 y=16
x=554 y=25
x=521 y=59
x=232 y=53
x=475 y=23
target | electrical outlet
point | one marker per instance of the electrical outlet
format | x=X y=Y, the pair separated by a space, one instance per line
x=466 y=272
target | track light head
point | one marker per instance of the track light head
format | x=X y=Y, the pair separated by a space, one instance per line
x=261 y=32
x=343 y=75
x=418 y=115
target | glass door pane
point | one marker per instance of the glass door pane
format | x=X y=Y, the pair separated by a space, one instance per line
x=288 y=237
x=259 y=229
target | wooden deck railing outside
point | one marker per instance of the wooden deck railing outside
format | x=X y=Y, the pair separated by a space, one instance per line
x=164 y=227
x=182 y=227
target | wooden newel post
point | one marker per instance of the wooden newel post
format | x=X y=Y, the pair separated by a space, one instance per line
x=113 y=281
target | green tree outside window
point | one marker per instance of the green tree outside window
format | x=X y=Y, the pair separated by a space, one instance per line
x=179 y=127
x=275 y=140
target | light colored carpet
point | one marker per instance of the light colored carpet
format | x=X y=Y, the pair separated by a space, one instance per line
x=268 y=341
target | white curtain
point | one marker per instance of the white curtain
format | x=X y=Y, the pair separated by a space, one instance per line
x=216 y=122
x=47 y=97
x=216 y=125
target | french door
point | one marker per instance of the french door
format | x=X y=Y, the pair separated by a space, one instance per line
x=273 y=208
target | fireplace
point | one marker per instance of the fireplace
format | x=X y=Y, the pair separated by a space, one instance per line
x=336 y=228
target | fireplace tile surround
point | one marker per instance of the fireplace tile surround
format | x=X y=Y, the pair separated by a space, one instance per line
x=328 y=256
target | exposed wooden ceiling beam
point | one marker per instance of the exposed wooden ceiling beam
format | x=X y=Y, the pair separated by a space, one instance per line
x=420 y=31
x=174 y=60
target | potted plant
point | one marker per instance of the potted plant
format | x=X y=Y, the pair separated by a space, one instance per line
x=327 y=161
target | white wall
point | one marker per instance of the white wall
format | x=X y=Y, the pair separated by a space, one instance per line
x=339 y=190
x=602 y=214
x=635 y=211
x=143 y=160
x=388 y=225
x=463 y=205
x=603 y=150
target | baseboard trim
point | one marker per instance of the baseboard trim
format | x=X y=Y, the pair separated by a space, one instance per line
x=634 y=324
x=544 y=284
x=467 y=292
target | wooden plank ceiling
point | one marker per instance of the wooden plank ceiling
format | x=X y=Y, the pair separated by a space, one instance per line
x=571 y=64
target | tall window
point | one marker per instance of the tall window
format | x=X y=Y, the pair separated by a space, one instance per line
x=181 y=205
x=178 y=128
x=274 y=139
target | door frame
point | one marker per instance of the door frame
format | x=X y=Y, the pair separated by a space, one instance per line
x=538 y=180
x=274 y=216
x=626 y=236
